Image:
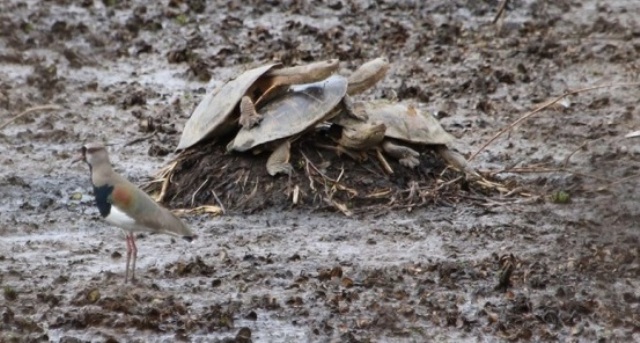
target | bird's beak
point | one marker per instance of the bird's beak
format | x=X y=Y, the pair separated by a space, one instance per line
x=632 y=134
x=77 y=158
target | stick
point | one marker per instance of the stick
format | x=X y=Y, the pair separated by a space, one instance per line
x=27 y=111
x=383 y=162
x=140 y=139
x=566 y=159
x=251 y=195
x=215 y=196
x=503 y=5
x=307 y=171
x=166 y=179
x=296 y=194
x=542 y=107
x=622 y=180
x=316 y=169
x=193 y=196
x=341 y=173
x=525 y=170
x=341 y=207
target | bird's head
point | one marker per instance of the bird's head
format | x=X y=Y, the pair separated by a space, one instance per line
x=93 y=154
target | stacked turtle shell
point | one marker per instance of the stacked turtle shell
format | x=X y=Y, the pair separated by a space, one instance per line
x=285 y=110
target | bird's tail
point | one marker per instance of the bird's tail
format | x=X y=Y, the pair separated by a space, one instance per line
x=190 y=238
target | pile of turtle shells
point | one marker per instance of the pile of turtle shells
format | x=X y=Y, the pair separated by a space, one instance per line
x=302 y=122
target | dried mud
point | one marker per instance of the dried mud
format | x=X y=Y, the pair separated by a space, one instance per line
x=557 y=259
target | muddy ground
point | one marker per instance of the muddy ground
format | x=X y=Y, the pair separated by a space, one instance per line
x=487 y=267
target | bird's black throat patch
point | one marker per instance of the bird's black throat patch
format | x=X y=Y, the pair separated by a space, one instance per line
x=103 y=193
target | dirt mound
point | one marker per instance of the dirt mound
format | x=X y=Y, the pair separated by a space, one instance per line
x=322 y=180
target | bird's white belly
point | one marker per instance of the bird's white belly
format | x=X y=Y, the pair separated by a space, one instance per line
x=122 y=220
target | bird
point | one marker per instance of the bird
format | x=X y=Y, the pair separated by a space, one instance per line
x=124 y=205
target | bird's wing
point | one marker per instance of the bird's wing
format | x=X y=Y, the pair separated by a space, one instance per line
x=146 y=212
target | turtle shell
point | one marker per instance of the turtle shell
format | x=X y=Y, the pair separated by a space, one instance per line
x=213 y=116
x=303 y=107
x=404 y=122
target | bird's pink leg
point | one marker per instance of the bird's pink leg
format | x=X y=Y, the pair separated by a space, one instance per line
x=135 y=257
x=126 y=274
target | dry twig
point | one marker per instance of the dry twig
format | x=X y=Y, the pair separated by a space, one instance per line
x=501 y=9
x=165 y=177
x=542 y=107
x=140 y=139
x=215 y=196
x=622 y=180
x=535 y=170
x=193 y=196
x=27 y=111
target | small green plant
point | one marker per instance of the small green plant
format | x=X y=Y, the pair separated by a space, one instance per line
x=182 y=19
x=560 y=197
x=10 y=293
x=26 y=27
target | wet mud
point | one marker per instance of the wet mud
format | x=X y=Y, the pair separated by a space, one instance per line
x=556 y=257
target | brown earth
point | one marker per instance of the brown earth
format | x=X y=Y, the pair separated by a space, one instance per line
x=480 y=266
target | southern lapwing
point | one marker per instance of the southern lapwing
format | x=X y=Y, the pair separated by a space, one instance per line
x=124 y=205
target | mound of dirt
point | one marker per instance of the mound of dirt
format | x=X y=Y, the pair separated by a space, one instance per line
x=322 y=180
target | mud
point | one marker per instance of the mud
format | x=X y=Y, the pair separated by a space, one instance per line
x=489 y=267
